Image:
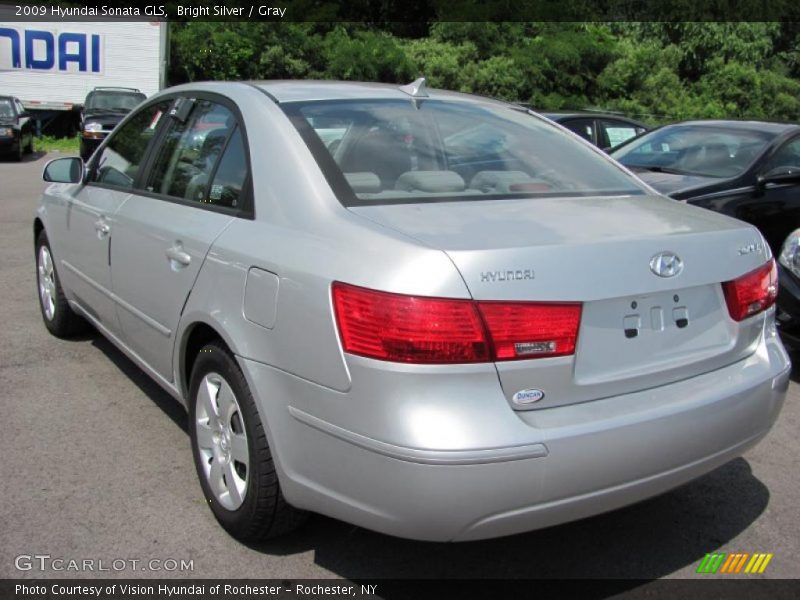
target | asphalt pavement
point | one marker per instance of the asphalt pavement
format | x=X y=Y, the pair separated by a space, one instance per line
x=95 y=465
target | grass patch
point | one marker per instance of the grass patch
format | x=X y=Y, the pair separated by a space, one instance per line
x=48 y=143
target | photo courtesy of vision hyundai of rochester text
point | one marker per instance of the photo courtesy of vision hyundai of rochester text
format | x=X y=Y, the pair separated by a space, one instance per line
x=429 y=314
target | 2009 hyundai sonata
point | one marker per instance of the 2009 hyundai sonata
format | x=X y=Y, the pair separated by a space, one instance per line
x=427 y=313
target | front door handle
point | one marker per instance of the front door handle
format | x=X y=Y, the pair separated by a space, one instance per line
x=178 y=255
x=102 y=228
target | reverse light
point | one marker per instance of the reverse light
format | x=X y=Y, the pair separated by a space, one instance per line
x=531 y=330
x=753 y=292
x=426 y=330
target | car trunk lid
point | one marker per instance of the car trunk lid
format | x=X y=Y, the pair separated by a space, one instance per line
x=638 y=329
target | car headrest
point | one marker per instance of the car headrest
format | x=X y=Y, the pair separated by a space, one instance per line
x=430 y=181
x=363 y=182
x=497 y=181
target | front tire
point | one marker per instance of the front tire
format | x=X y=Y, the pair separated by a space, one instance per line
x=231 y=454
x=58 y=317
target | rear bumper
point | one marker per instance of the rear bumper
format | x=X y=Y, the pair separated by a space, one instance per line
x=575 y=460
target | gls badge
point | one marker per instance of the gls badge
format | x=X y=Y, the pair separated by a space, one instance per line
x=525 y=398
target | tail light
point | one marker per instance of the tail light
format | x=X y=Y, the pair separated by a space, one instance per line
x=752 y=293
x=408 y=328
x=424 y=330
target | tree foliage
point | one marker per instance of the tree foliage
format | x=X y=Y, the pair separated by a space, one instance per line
x=657 y=71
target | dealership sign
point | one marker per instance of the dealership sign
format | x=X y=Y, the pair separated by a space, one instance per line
x=48 y=51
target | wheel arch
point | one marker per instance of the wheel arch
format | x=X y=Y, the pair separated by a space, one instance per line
x=38 y=227
x=194 y=336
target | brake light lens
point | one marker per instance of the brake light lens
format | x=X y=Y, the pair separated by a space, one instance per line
x=752 y=293
x=424 y=330
x=408 y=329
x=531 y=330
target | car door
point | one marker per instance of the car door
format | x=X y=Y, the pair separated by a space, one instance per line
x=88 y=218
x=168 y=225
x=776 y=209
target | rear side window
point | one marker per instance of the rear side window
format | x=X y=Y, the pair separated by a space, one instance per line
x=119 y=162
x=583 y=127
x=228 y=185
x=189 y=153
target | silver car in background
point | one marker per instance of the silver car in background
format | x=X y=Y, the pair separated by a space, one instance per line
x=426 y=313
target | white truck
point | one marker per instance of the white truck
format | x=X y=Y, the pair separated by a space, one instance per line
x=52 y=66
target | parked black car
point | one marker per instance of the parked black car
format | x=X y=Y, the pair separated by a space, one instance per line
x=789 y=294
x=605 y=130
x=16 y=128
x=103 y=109
x=746 y=169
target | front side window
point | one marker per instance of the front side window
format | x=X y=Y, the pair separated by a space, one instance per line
x=190 y=150
x=616 y=132
x=406 y=151
x=701 y=150
x=119 y=162
x=787 y=156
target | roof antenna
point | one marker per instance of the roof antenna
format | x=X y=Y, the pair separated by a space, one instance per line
x=416 y=90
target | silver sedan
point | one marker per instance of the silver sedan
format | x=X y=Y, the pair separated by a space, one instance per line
x=426 y=313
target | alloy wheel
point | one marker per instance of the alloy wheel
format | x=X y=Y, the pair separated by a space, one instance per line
x=47 y=283
x=222 y=441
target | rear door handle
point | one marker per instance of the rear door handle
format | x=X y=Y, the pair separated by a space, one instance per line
x=102 y=228
x=178 y=255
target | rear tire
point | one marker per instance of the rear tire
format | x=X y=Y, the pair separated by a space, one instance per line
x=58 y=316
x=231 y=454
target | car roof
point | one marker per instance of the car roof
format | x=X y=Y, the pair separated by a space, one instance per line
x=557 y=116
x=763 y=126
x=306 y=90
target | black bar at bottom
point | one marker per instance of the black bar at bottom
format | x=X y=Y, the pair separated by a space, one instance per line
x=706 y=588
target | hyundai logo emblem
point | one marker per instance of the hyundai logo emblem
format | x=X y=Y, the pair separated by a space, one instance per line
x=666 y=264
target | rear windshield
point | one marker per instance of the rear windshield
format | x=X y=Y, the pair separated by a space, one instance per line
x=114 y=101
x=391 y=151
x=695 y=150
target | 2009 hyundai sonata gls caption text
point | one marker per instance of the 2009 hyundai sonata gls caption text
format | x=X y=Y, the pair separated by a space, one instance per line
x=427 y=313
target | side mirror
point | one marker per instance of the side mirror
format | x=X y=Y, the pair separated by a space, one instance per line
x=784 y=174
x=64 y=170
